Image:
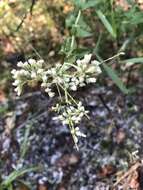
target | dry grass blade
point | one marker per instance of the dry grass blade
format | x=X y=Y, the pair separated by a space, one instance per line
x=128 y=173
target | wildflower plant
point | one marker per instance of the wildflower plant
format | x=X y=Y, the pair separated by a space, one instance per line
x=66 y=78
x=76 y=71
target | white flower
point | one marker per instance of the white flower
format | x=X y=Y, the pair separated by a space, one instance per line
x=16 y=82
x=57 y=80
x=73 y=79
x=81 y=79
x=33 y=74
x=25 y=64
x=71 y=114
x=18 y=90
x=66 y=79
x=79 y=133
x=44 y=77
x=40 y=62
x=44 y=84
x=27 y=71
x=22 y=72
x=95 y=62
x=20 y=64
x=82 y=84
x=32 y=62
x=91 y=80
x=47 y=90
x=98 y=70
x=85 y=60
x=56 y=107
x=51 y=94
x=51 y=71
x=40 y=71
x=13 y=71
x=73 y=87
x=75 y=139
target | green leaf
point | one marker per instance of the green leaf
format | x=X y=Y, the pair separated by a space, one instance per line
x=15 y=174
x=106 y=24
x=83 y=24
x=133 y=60
x=85 y=4
x=89 y=4
x=134 y=17
x=80 y=32
x=113 y=75
x=24 y=146
x=66 y=46
x=78 y=3
x=70 y=20
x=82 y=29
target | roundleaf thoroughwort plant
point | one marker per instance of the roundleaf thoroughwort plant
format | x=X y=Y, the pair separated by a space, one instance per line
x=66 y=77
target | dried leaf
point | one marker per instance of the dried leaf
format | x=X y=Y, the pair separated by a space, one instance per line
x=68 y=159
x=42 y=187
x=107 y=170
x=134 y=182
x=10 y=123
x=2 y=96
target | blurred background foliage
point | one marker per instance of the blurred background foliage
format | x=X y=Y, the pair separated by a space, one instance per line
x=23 y=23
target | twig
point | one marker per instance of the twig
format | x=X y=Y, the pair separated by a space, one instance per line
x=25 y=15
x=111 y=114
x=104 y=103
x=32 y=6
x=130 y=171
x=21 y=23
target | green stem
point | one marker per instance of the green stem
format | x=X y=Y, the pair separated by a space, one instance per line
x=78 y=17
x=59 y=91
x=117 y=55
x=72 y=42
x=73 y=36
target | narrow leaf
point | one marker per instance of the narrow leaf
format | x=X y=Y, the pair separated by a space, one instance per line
x=82 y=33
x=89 y=4
x=106 y=23
x=85 y=4
x=17 y=173
x=113 y=75
x=134 y=60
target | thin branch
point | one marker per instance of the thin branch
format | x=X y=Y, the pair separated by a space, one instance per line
x=21 y=23
x=129 y=172
x=32 y=6
x=25 y=15
x=104 y=103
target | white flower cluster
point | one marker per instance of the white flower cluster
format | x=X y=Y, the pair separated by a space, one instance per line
x=51 y=78
x=69 y=76
x=69 y=114
x=29 y=70
x=72 y=76
x=77 y=133
x=83 y=74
